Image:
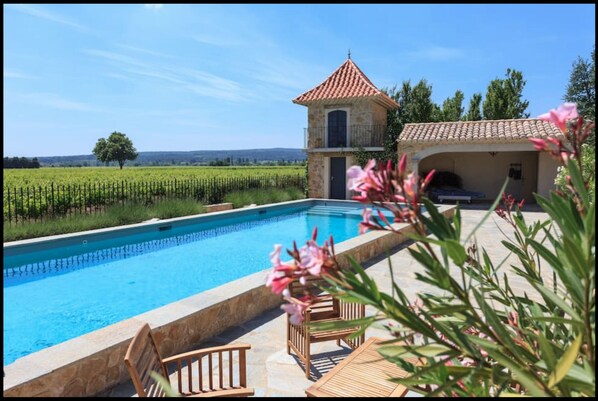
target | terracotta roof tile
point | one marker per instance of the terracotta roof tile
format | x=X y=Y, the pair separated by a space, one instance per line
x=485 y=131
x=348 y=81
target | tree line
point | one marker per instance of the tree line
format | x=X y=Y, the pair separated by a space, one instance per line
x=503 y=100
x=20 y=162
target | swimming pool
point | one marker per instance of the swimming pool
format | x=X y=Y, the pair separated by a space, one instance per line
x=55 y=292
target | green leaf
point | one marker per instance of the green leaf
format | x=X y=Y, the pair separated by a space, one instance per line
x=574 y=252
x=546 y=254
x=455 y=251
x=497 y=326
x=342 y=324
x=165 y=384
x=554 y=319
x=515 y=249
x=407 y=351
x=565 y=363
x=547 y=353
x=439 y=219
x=525 y=378
x=577 y=181
x=576 y=373
x=558 y=301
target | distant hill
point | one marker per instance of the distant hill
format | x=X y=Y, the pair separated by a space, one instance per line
x=192 y=158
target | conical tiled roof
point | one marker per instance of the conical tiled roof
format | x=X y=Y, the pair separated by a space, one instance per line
x=348 y=81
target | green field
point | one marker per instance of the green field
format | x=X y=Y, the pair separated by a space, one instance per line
x=17 y=178
x=36 y=194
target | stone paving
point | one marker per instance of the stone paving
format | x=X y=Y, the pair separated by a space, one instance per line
x=274 y=373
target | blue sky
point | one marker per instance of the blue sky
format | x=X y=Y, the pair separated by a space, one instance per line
x=200 y=77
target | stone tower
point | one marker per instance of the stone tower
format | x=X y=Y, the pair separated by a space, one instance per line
x=346 y=112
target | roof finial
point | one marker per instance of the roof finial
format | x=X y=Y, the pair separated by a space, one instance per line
x=349 y=54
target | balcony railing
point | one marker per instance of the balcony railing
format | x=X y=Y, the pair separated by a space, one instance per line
x=354 y=136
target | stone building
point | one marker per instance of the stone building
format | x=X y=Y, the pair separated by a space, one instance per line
x=344 y=113
x=347 y=112
x=484 y=153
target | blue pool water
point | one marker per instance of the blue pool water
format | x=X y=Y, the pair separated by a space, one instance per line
x=58 y=294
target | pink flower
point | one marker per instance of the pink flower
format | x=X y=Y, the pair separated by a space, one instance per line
x=357 y=175
x=278 y=283
x=539 y=144
x=561 y=115
x=275 y=255
x=403 y=164
x=521 y=203
x=410 y=186
x=365 y=180
x=365 y=223
x=312 y=258
x=428 y=179
x=513 y=319
x=295 y=308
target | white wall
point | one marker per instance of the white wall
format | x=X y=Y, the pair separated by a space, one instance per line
x=482 y=172
x=547 y=170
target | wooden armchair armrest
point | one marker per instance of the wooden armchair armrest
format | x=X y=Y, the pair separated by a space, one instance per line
x=205 y=351
x=222 y=376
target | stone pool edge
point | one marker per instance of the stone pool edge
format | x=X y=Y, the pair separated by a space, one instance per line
x=93 y=363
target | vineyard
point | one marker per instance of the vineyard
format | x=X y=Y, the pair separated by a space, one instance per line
x=20 y=178
x=50 y=192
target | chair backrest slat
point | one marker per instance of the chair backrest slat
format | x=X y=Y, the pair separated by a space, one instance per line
x=230 y=369
x=143 y=358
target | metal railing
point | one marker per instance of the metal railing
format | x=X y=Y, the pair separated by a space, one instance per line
x=366 y=136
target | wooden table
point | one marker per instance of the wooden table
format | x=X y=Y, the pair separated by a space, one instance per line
x=364 y=373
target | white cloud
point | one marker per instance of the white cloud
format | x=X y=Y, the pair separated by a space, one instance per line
x=193 y=80
x=140 y=50
x=154 y=6
x=437 y=53
x=36 y=11
x=54 y=101
x=16 y=74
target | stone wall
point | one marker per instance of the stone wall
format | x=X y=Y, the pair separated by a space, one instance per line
x=315 y=179
x=318 y=171
x=218 y=207
x=361 y=112
x=379 y=114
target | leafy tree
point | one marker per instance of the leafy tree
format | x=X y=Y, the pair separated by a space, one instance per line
x=416 y=106
x=422 y=109
x=21 y=162
x=474 y=113
x=117 y=148
x=503 y=97
x=581 y=89
x=452 y=108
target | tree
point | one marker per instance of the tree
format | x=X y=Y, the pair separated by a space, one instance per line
x=581 y=89
x=117 y=148
x=474 y=113
x=503 y=97
x=452 y=108
x=416 y=106
x=422 y=109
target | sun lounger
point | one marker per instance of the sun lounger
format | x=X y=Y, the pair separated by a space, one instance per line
x=443 y=194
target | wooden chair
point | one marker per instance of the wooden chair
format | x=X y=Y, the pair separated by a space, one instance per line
x=326 y=309
x=209 y=372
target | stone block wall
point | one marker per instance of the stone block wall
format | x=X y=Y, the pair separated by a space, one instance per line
x=218 y=207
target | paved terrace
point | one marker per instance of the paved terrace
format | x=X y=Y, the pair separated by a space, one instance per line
x=274 y=373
